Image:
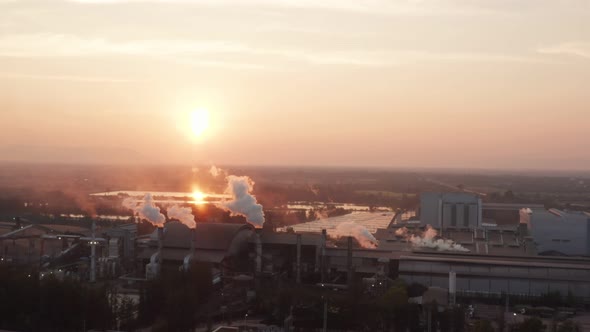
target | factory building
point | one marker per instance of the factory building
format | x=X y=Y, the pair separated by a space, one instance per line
x=175 y=246
x=450 y=210
x=495 y=275
x=559 y=232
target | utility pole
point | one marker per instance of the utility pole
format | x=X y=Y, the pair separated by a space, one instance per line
x=429 y=319
x=325 y=326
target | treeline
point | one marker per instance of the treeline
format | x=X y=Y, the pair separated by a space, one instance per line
x=30 y=304
x=361 y=308
x=176 y=301
x=171 y=303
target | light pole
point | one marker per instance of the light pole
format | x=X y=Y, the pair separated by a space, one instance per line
x=325 y=325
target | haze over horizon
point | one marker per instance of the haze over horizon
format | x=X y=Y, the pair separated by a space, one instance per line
x=402 y=83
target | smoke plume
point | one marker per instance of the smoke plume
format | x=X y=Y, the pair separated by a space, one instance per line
x=216 y=171
x=182 y=214
x=243 y=203
x=146 y=209
x=359 y=232
x=428 y=240
x=403 y=232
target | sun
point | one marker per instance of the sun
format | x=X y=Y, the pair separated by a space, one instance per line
x=199 y=121
x=198 y=196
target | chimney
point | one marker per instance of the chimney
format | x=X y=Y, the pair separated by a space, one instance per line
x=298 y=266
x=93 y=253
x=258 y=251
x=193 y=240
x=452 y=287
x=320 y=252
x=160 y=246
x=188 y=258
x=349 y=267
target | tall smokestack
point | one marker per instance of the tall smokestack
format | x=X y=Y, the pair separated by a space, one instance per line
x=323 y=262
x=93 y=253
x=160 y=246
x=349 y=262
x=452 y=287
x=188 y=258
x=258 y=252
x=298 y=267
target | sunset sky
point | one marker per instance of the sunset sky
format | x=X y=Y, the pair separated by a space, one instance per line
x=392 y=83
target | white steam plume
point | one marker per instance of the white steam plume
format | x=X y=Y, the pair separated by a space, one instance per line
x=243 y=203
x=428 y=240
x=216 y=171
x=146 y=209
x=403 y=232
x=182 y=214
x=359 y=232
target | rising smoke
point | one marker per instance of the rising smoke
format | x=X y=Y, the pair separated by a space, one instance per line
x=182 y=214
x=216 y=171
x=146 y=209
x=359 y=232
x=428 y=240
x=243 y=203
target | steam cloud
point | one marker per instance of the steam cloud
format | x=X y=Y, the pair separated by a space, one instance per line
x=216 y=171
x=359 y=232
x=146 y=209
x=182 y=214
x=428 y=240
x=243 y=203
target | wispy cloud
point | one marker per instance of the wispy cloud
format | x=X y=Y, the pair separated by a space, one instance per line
x=580 y=49
x=211 y=53
x=68 y=78
x=62 y=45
x=380 y=7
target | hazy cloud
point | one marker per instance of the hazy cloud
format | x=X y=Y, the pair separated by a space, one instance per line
x=381 y=7
x=581 y=49
x=88 y=79
x=206 y=52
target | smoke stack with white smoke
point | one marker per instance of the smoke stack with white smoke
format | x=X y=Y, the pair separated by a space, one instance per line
x=146 y=209
x=428 y=240
x=525 y=215
x=182 y=214
x=359 y=232
x=243 y=203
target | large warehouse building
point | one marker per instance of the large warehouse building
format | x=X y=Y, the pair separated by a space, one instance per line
x=559 y=232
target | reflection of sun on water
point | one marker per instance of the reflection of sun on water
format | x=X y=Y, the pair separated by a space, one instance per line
x=199 y=196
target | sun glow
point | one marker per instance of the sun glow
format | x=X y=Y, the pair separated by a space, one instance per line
x=199 y=196
x=199 y=121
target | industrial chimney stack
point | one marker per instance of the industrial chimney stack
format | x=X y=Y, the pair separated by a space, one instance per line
x=93 y=253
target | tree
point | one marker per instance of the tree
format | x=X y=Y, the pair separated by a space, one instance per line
x=569 y=326
x=532 y=324
x=483 y=326
x=391 y=305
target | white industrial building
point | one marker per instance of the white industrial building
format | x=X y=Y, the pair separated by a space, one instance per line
x=450 y=210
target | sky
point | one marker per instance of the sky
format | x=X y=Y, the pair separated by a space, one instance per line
x=387 y=83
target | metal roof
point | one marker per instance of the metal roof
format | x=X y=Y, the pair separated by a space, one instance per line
x=209 y=236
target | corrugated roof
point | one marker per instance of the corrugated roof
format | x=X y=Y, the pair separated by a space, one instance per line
x=307 y=239
x=486 y=260
x=209 y=236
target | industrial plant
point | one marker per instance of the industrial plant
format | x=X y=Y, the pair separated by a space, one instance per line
x=452 y=242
